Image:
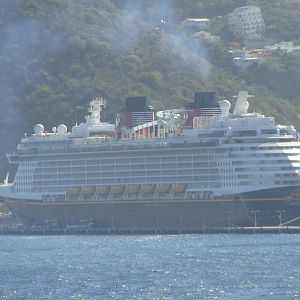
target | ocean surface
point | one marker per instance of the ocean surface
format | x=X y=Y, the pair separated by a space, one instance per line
x=150 y=267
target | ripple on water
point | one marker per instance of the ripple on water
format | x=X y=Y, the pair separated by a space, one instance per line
x=150 y=267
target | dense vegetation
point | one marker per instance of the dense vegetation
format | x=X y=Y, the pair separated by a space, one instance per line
x=57 y=54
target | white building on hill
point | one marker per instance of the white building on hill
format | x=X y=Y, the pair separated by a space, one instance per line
x=247 y=23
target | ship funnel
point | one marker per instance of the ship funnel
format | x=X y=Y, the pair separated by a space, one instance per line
x=241 y=106
x=136 y=103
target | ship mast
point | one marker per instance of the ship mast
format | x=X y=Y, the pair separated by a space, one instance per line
x=95 y=108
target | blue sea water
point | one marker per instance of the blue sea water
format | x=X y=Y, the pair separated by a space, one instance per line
x=150 y=267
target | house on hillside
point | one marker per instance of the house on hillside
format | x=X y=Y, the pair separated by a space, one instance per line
x=196 y=24
x=284 y=47
x=206 y=36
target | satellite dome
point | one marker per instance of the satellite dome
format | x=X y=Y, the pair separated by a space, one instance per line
x=39 y=129
x=62 y=129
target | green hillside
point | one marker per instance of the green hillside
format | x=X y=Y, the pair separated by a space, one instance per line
x=55 y=55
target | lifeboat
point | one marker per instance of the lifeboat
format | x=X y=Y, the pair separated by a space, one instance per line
x=132 y=189
x=148 y=188
x=88 y=190
x=73 y=191
x=118 y=189
x=164 y=188
x=104 y=189
x=180 y=188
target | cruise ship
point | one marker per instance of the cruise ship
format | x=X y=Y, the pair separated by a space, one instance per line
x=205 y=166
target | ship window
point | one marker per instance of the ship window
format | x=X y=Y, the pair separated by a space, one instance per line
x=78 y=175
x=153 y=166
x=237 y=162
x=107 y=168
x=108 y=174
x=244 y=133
x=108 y=180
x=50 y=176
x=140 y=173
x=283 y=131
x=64 y=163
x=108 y=161
x=122 y=167
x=168 y=165
x=121 y=161
x=50 y=182
x=185 y=178
x=93 y=175
x=200 y=157
x=93 y=162
x=78 y=181
x=123 y=180
x=184 y=158
x=153 y=179
x=244 y=183
x=168 y=172
x=214 y=164
x=184 y=171
x=169 y=179
x=152 y=172
x=152 y=159
x=93 y=168
x=138 y=167
x=137 y=179
x=93 y=181
x=240 y=169
x=78 y=162
x=184 y=165
x=242 y=176
x=269 y=131
x=201 y=178
x=65 y=182
x=201 y=164
x=122 y=173
x=78 y=169
x=137 y=160
x=168 y=159
x=50 y=170
x=64 y=169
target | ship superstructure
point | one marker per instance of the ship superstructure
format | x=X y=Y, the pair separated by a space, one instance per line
x=179 y=169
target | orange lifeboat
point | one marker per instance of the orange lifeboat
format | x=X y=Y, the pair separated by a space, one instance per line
x=88 y=190
x=180 y=188
x=74 y=191
x=118 y=189
x=148 y=188
x=132 y=189
x=164 y=188
x=104 y=189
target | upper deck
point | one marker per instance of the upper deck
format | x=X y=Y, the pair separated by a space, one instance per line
x=167 y=131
